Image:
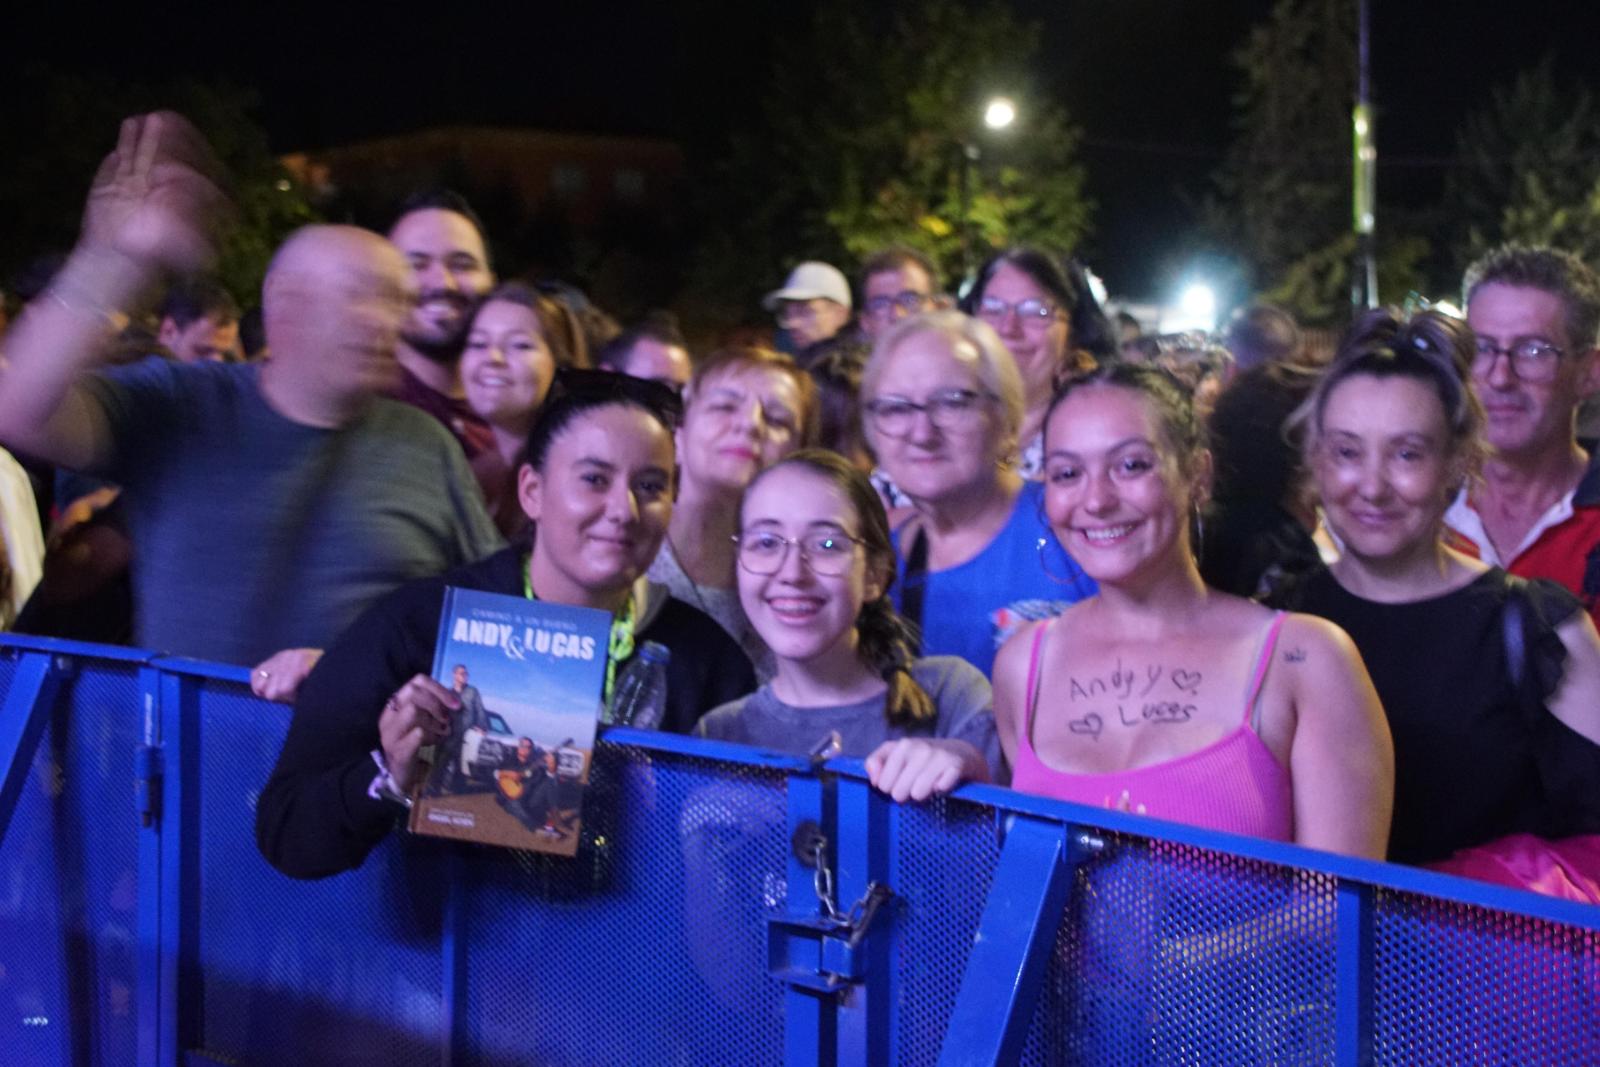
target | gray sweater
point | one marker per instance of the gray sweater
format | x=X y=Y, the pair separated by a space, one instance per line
x=960 y=694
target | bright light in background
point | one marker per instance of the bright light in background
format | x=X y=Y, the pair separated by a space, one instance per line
x=1196 y=310
x=999 y=114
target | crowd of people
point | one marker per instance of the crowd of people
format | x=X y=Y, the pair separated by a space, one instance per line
x=1344 y=599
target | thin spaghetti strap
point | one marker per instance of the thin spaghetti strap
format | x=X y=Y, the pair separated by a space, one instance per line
x=1262 y=663
x=1032 y=697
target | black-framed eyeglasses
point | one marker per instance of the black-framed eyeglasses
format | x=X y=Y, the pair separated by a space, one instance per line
x=993 y=309
x=1532 y=359
x=826 y=553
x=894 y=416
x=881 y=307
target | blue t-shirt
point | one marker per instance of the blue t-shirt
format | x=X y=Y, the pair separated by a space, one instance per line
x=970 y=609
x=255 y=533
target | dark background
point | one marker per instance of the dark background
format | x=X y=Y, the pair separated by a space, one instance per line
x=1148 y=81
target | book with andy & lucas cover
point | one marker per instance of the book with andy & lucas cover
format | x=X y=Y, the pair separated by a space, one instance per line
x=513 y=768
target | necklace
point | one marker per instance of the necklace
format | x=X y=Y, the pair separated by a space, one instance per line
x=694 y=586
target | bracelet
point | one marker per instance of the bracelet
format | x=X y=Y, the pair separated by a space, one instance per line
x=383 y=786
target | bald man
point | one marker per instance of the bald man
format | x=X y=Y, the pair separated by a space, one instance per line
x=269 y=503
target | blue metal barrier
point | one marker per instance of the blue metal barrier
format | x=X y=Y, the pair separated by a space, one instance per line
x=138 y=924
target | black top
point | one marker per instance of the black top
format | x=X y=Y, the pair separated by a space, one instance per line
x=315 y=818
x=1476 y=757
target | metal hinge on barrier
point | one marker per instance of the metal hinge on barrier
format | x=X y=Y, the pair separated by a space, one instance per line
x=147 y=783
x=822 y=953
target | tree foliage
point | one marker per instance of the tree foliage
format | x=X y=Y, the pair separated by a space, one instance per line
x=1525 y=170
x=858 y=144
x=53 y=146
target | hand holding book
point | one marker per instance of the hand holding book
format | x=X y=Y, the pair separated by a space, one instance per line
x=417 y=715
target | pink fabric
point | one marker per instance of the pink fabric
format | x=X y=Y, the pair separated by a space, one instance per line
x=1569 y=868
x=1234 y=784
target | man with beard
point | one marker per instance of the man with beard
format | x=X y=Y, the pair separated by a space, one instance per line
x=441 y=238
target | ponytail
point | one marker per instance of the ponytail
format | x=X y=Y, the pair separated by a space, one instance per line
x=885 y=644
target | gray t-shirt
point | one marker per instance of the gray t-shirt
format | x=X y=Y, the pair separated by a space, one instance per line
x=960 y=693
x=253 y=533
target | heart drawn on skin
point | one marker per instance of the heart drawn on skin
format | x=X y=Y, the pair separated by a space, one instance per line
x=1186 y=680
x=1090 y=724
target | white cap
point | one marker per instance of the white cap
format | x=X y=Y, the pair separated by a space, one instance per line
x=809 y=281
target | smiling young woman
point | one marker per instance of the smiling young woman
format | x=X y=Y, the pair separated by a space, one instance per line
x=814 y=570
x=1164 y=696
x=597 y=483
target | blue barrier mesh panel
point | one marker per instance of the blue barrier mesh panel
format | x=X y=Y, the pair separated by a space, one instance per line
x=940 y=872
x=68 y=881
x=1459 y=984
x=650 y=946
x=1168 y=954
x=341 y=971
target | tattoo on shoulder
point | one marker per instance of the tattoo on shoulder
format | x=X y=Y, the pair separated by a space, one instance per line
x=1295 y=655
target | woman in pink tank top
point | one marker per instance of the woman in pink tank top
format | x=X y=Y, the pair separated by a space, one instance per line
x=1161 y=695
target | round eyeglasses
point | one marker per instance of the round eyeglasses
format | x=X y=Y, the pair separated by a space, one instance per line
x=828 y=554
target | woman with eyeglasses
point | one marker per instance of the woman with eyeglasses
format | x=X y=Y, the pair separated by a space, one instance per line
x=745 y=408
x=943 y=403
x=1050 y=322
x=597 y=484
x=1161 y=695
x=1491 y=684
x=815 y=565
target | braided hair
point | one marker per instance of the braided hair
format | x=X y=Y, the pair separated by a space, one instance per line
x=886 y=643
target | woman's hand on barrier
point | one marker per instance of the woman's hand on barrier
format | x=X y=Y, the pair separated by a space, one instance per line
x=1125 y=803
x=278 y=677
x=916 y=768
x=418 y=714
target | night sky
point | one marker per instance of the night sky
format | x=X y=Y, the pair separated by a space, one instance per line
x=1148 y=80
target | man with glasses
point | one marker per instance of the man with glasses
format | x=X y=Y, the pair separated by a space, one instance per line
x=813 y=306
x=1536 y=511
x=895 y=283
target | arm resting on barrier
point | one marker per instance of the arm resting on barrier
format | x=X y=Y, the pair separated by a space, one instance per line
x=315 y=817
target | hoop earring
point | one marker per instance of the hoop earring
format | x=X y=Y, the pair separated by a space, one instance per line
x=1199 y=532
x=1044 y=563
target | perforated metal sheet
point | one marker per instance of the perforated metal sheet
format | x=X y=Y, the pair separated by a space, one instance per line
x=1456 y=984
x=651 y=948
x=1174 y=955
x=68 y=881
x=341 y=971
x=941 y=868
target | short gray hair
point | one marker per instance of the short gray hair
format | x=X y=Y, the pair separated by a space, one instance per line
x=996 y=369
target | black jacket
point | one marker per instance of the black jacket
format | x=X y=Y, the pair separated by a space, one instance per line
x=315 y=818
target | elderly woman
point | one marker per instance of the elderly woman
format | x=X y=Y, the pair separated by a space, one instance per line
x=745 y=408
x=1491 y=684
x=944 y=404
x=1050 y=323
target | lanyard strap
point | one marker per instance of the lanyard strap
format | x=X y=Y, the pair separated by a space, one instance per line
x=620 y=646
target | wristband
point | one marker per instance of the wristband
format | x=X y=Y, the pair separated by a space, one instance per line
x=383 y=785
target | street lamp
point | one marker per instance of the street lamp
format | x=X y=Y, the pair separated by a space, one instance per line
x=998 y=114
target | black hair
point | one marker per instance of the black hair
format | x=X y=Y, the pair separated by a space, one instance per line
x=192 y=299
x=658 y=326
x=575 y=392
x=440 y=199
x=1172 y=399
x=1088 y=327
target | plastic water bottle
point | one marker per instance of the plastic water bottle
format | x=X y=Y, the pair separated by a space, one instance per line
x=640 y=699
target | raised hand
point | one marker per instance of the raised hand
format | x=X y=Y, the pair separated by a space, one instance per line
x=157 y=198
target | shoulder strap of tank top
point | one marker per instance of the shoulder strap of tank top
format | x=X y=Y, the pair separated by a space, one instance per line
x=1032 y=696
x=914 y=585
x=1263 y=661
